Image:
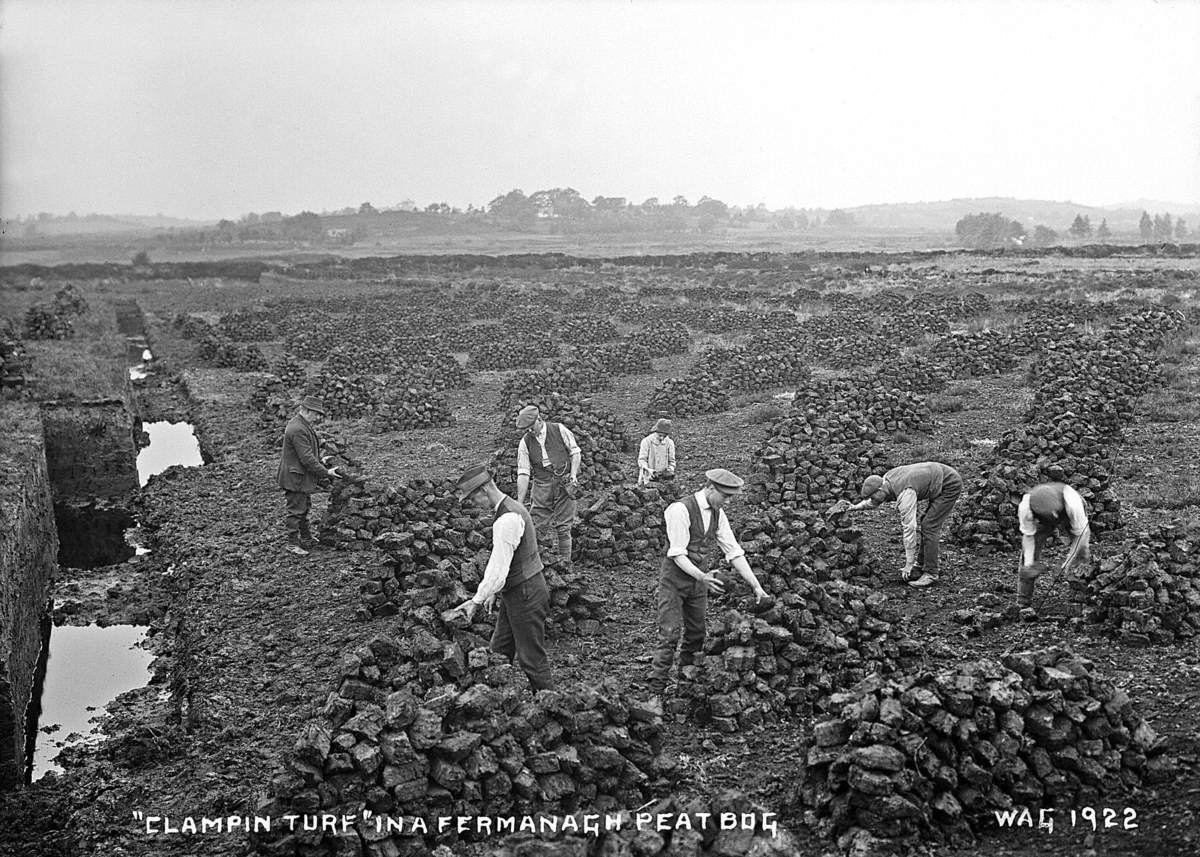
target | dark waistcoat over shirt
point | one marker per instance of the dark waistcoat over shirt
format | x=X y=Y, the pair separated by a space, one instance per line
x=700 y=540
x=556 y=449
x=526 y=561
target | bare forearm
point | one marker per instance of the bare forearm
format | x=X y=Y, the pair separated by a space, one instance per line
x=688 y=567
x=522 y=487
x=742 y=567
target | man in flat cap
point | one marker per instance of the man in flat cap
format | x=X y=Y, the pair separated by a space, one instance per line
x=548 y=453
x=1043 y=510
x=695 y=525
x=514 y=574
x=300 y=469
x=908 y=484
x=656 y=455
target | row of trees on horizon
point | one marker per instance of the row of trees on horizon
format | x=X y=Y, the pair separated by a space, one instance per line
x=992 y=231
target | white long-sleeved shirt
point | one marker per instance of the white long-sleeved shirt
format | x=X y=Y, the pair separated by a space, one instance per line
x=507 y=532
x=655 y=456
x=1076 y=517
x=906 y=503
x=679 y=528
x=1076 y=514
x=523 y=468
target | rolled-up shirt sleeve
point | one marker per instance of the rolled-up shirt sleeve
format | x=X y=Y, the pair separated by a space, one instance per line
x=726 y=539
x=1076 y=513
x=676 y=519
x=569 y=440
x=522 y=459
x=907 y=504
x=644 y=454
x=506 y=536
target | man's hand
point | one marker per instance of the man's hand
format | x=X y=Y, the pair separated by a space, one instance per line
x=906 y=572
x=839 y=507
x=334 y=473
x=468 y=608
x=759 y=594
x=714 y=583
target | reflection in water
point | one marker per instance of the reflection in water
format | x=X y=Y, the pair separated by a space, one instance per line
x=170 y=444
x=87 y=668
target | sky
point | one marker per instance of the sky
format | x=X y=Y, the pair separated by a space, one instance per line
x=211 y=108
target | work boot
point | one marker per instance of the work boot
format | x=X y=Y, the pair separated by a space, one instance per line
x=923 y=581
x=294 y=545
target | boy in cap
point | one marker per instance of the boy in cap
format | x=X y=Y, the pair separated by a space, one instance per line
x=1044 y=509
x=695 y=525
x=908 y=484
x=656 y=455
x=514 y=574
x=300 y=468
x=549 y=454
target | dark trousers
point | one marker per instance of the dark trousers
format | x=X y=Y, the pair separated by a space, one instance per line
x=298 y=505
x=931 y=525
x=553 y=513
x=521 y=628
x=682 y=602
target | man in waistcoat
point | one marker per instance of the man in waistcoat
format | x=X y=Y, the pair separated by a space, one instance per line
x=1043 y=510
x=695 y=526
x=548 y=454
x=908 y=484
x=300 y=469
x=514 y=575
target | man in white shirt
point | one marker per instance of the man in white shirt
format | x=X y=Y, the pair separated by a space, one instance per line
x=656 y=455
x=695 y=525
x=908 y=484
x=549 y=455
x=1044 y=509
x=514 y=574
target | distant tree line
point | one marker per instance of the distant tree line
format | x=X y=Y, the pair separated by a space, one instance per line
x=993 y=231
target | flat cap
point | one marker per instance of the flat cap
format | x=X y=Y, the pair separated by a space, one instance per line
x=663 y=425
x=871 y=484
x=527 y=416
x=725 y=480
x=312 y=403
x=472 y=478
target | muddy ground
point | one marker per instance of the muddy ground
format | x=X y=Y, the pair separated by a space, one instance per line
x=247 y=636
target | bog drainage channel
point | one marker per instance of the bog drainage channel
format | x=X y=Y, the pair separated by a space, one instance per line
x=82 y=669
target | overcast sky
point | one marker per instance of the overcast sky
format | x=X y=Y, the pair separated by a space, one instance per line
x=208 y=108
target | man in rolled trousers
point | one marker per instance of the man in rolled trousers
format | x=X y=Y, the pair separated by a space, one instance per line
x=908 y=484
x=300 y=470
x=1043 y=510
x=696 y=525
x=548 y=455
x=514 y=575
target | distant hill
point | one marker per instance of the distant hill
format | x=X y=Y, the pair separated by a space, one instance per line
x=941 y=216
x=107 y=224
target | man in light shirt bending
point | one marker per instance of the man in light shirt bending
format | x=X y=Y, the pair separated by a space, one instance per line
x=514 y=575
x=695 y=525
x=1044 y=509
x=908 y=484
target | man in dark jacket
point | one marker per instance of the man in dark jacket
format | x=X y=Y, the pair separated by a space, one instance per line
x=514 y=574
x=300 y=469
x=908 y=484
